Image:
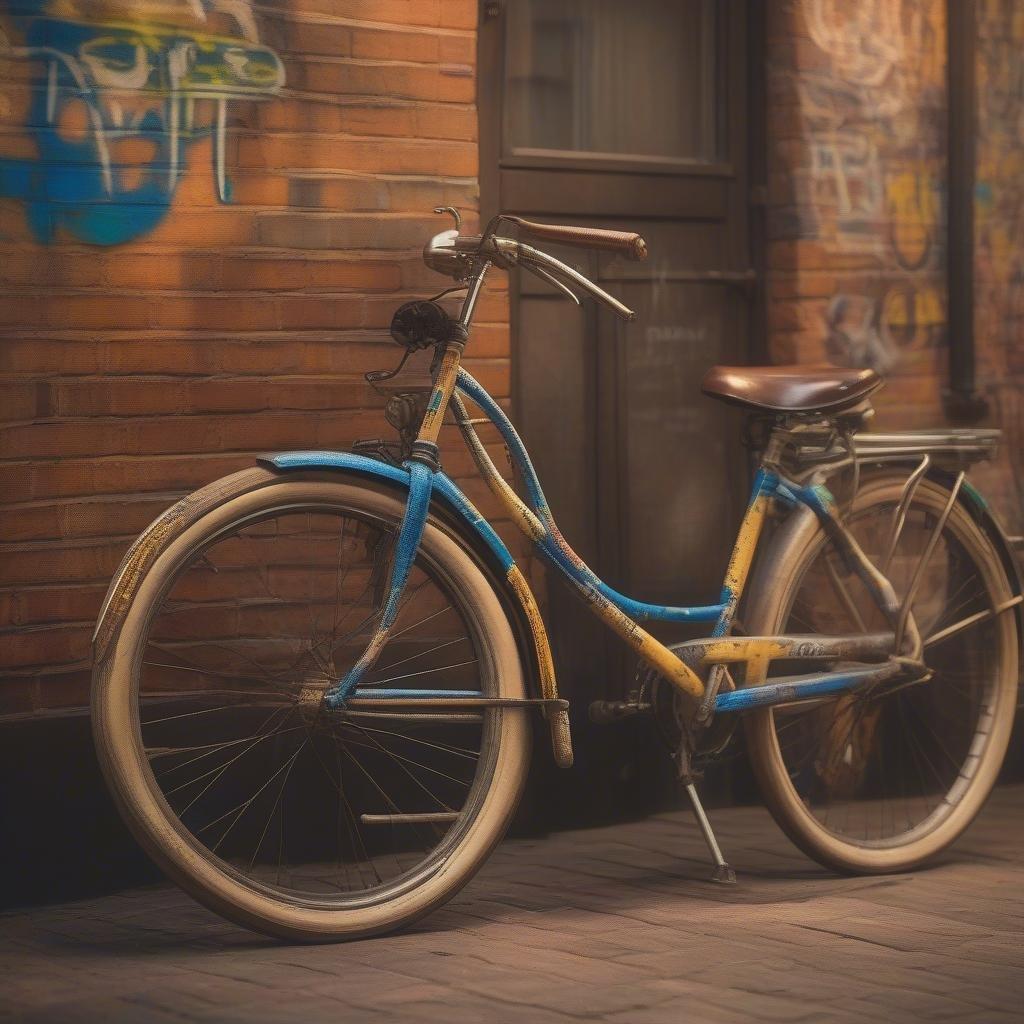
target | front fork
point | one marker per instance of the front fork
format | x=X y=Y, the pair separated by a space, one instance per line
x=422 y=464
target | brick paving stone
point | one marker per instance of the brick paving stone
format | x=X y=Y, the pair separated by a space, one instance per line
x=611 y=924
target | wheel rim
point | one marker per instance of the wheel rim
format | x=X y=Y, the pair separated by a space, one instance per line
x=882 y=772
x=251 y=768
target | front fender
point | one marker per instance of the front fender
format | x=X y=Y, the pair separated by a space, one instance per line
x=443 y=485
x=528 y=615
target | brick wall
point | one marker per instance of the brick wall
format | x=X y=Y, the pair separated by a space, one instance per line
x=999 y=244
x=857 y=184
x=164 y=321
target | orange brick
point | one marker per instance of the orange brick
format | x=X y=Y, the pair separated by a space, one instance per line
x=139 y=372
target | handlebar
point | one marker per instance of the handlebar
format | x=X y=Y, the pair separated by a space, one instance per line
x=462 y=256
x=628 y=243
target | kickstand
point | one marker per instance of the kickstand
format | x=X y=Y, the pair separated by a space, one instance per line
x=723 y=873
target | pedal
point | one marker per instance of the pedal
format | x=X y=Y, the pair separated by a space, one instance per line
x=606 y=711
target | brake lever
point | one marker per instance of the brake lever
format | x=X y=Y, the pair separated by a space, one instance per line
x=552 y=280
x=536 y=260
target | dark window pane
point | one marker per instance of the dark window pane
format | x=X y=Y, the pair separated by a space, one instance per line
x=625 y=79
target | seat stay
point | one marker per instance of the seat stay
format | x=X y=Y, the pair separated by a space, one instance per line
x=820 y=501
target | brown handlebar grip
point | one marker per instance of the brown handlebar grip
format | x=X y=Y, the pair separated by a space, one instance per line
x=629 y=243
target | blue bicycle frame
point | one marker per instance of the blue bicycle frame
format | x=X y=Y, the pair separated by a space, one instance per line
x=702 y=674
x=622 y=613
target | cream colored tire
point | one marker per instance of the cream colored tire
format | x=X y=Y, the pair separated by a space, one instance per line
x=774 y=593
x=149 y=574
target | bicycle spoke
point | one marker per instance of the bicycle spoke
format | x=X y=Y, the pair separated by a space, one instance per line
x=457 y=751
x=246 y=804
x=424 y=672
x=421 y=654
x=240 y=743
x=221 y=769
x=402 y=761
x=844 y=595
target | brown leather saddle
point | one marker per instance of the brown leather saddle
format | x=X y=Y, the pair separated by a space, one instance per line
x=791 y=388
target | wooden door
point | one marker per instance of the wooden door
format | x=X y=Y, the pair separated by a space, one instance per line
x=628 y=115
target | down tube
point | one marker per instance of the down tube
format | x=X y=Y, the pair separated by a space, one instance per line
x=554 y=544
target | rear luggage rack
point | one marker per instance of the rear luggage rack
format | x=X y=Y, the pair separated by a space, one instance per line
x=953 y=447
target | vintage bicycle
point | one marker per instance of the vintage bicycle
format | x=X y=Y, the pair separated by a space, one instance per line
x=316 y=680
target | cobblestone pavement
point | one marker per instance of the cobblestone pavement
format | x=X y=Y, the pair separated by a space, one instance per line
x=610 y=924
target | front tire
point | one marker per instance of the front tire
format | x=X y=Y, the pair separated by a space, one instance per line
x=213 y=642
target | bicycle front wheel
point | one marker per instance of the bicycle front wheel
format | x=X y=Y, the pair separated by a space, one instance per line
x=879 y=783
x=235 y=776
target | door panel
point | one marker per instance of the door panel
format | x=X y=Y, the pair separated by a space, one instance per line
x=677 y=499
x=626 y=116
x=587 y=192
x=556 y=408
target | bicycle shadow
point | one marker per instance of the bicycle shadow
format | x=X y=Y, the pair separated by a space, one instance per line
x=652 y=870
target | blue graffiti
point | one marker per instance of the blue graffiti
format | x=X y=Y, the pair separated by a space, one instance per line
x=104 y=84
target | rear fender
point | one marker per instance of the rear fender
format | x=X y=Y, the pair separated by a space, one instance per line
x=801 y=522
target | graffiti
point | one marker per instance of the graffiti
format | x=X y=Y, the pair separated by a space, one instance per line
x=863 y=38
x=891 y=48
x=913 y=211
x=1001 y=71
x=846 y=178
x=873 y=115
x=116 y=105
x=824 y=102
x=853 y=335
x=912 y=317
x=865 y=331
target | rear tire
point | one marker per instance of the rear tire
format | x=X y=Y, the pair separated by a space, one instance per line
x=833 y=781
x=125 y=681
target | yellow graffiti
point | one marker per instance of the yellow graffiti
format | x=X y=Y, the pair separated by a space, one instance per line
x=912 y=316
x=912 y=208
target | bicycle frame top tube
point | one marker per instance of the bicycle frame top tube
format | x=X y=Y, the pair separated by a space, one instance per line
x=558 y=549
x=451 y=376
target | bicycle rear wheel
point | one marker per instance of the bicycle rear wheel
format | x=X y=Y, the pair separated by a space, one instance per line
x=262 y=802
x=880 y=783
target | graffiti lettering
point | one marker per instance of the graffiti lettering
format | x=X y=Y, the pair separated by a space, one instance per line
x=913 y=211
x=863 y=39
x=853 y=335
x=139 y=84
x=912 y=317
x=847 y=179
